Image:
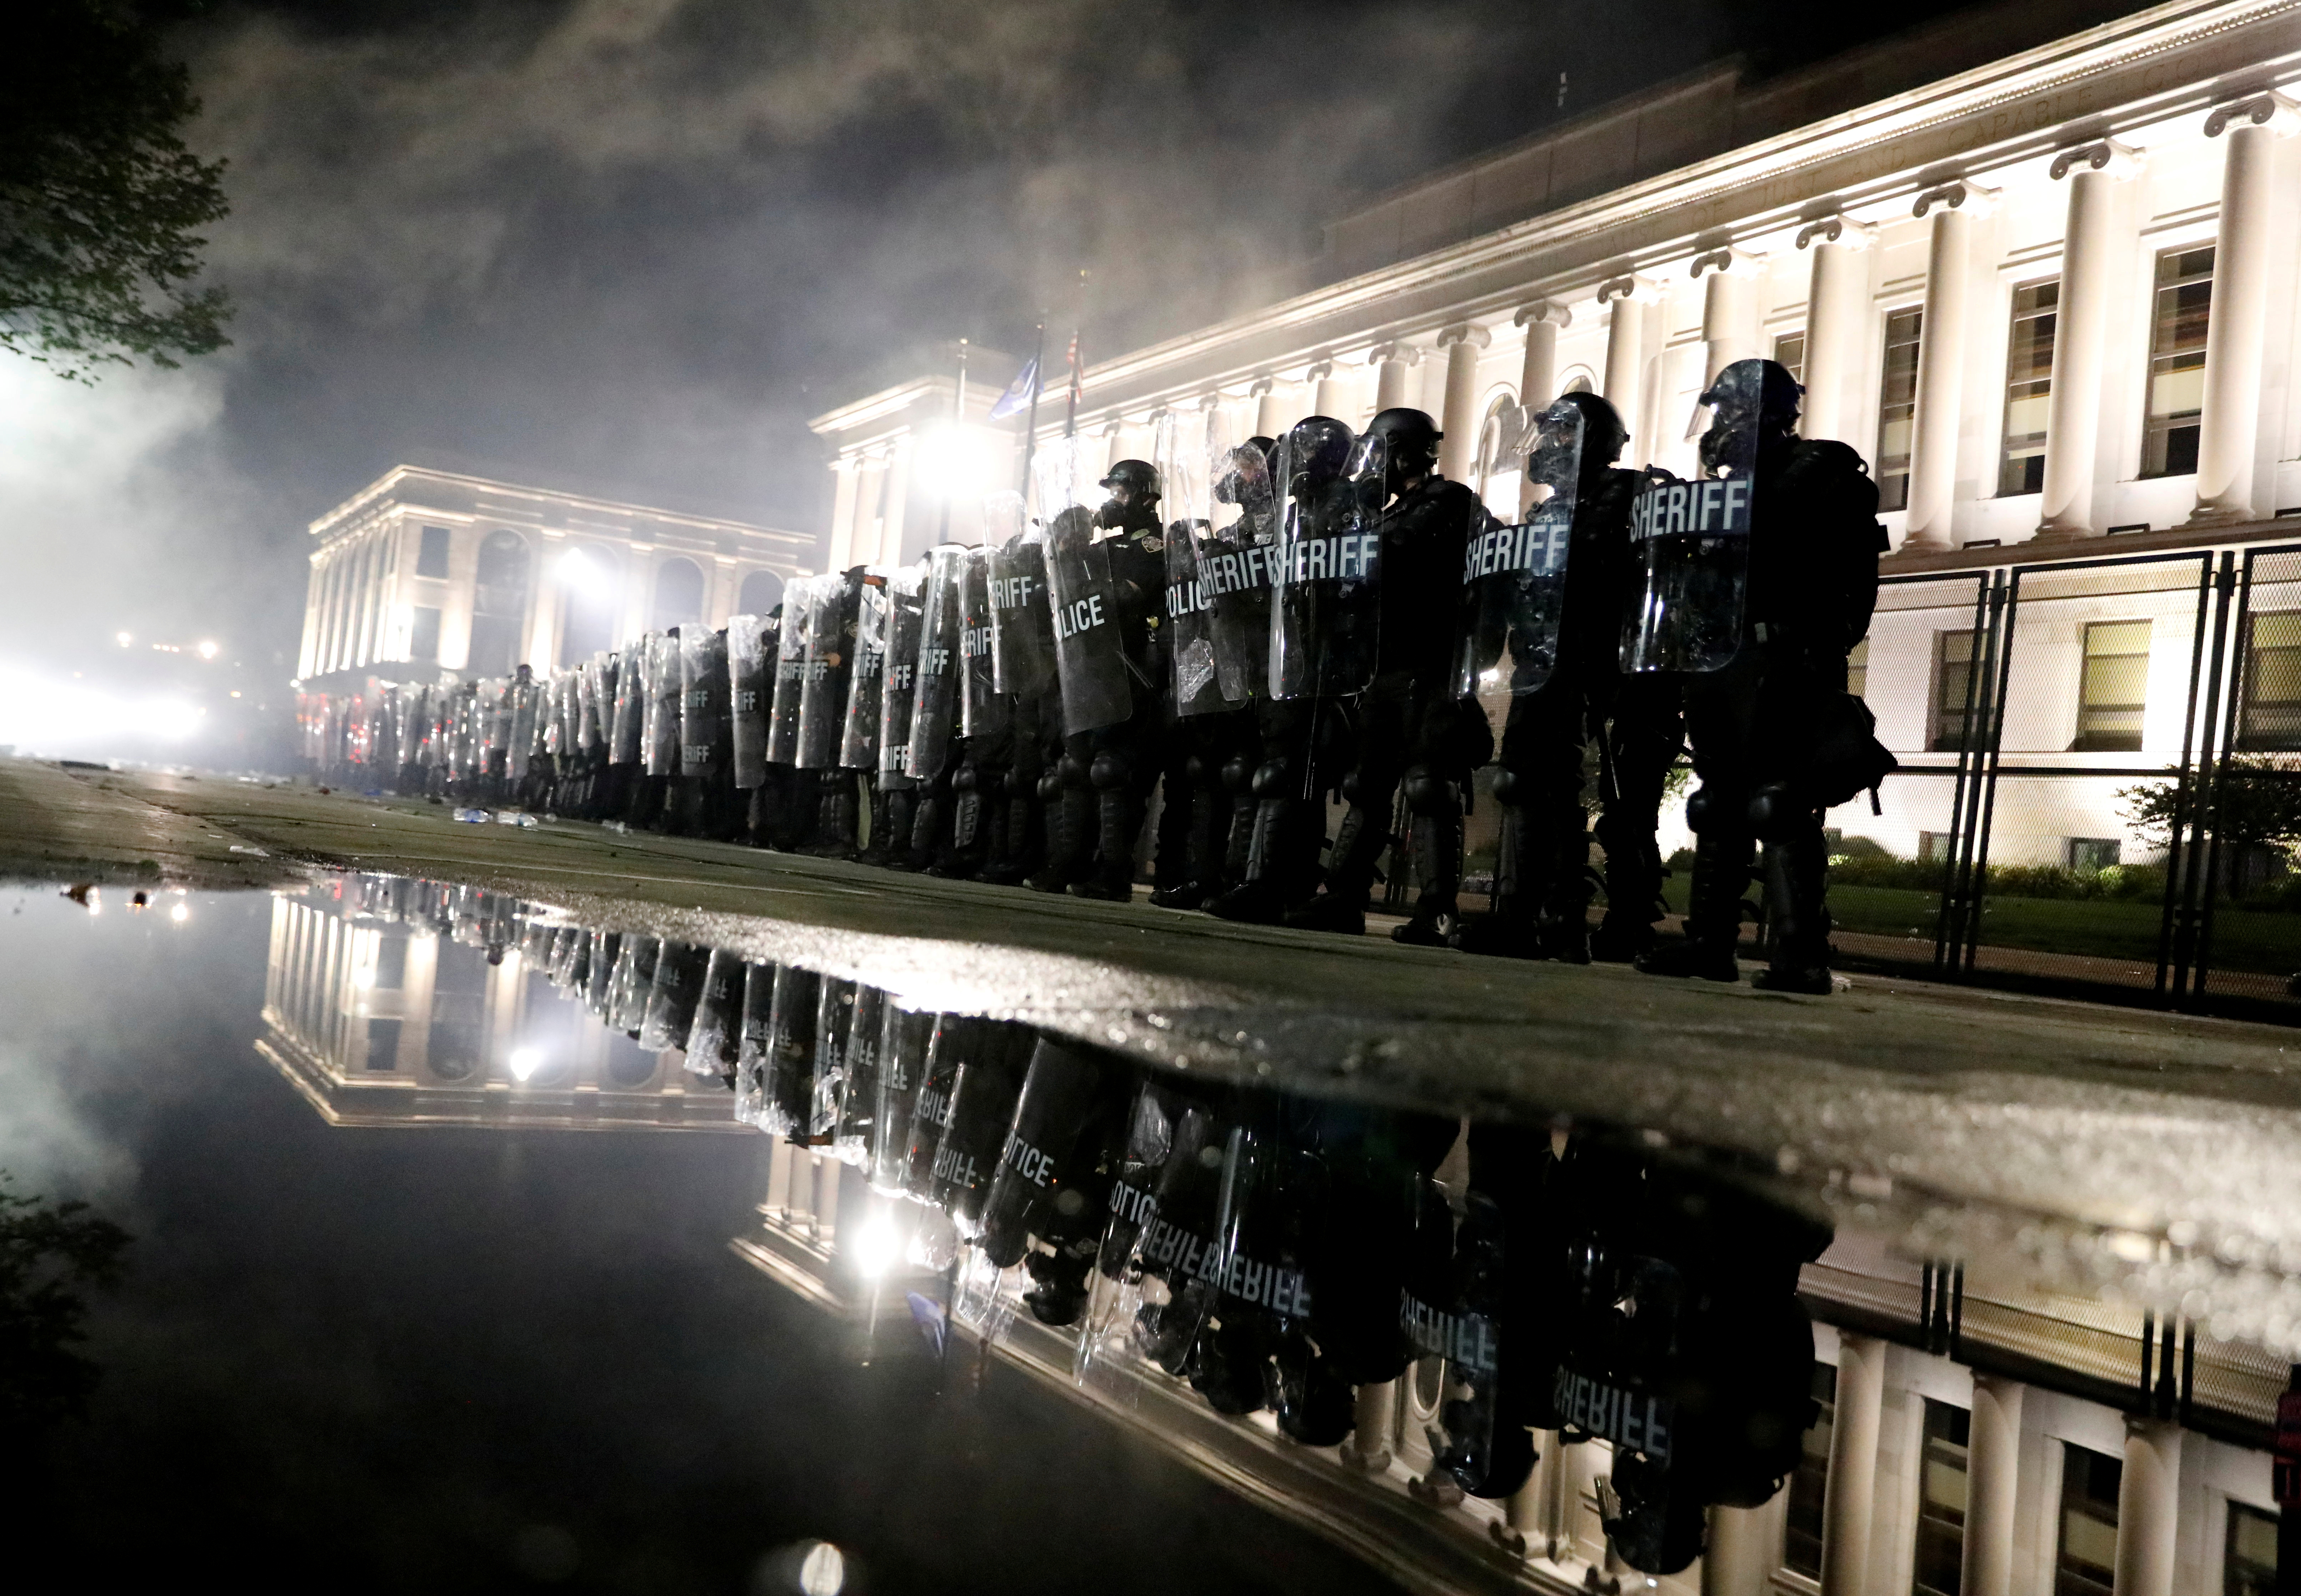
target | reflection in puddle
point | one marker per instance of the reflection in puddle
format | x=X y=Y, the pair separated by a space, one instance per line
x=1480 y=1354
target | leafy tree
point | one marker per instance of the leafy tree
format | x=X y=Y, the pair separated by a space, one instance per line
x=50 y=1252
x=2257 y=799
x=98 y=195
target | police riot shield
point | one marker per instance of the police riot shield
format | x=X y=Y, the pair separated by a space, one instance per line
x=713 y=1038
x=664 y=692
x=835 y=1016
x=1021 y=627
x=907 y=599
x=935 y=693
x=789 y=1088
x=858 y=737
x=1690 y=543
x=1514 y=577
x=1089 y=656
x=627 y=720
x=702 y=677
x=830 y=660
x=791 y=670
x=982 y=708
x=982 y=1110
x=1326 y=597
x=1178 y=451
x=748 y=684
x=520 y=739
x=858 y=1086
x=904 y=1036
x=586 y=704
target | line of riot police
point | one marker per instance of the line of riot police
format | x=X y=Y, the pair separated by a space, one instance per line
x=1254 y=628
x=1269 y=1251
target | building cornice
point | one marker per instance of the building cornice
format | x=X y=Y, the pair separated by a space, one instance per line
x=2141 y=68
x=371 y=500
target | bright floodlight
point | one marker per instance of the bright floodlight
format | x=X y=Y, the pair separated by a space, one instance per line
x=957 y=461
x=823 y=1572
x=525 y=1062
x=580 y=571
x=180 y=912
x=126 y=638
x=207 y=649
x=877 y=1246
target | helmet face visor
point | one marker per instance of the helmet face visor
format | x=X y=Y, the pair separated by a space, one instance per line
x=1371 y=460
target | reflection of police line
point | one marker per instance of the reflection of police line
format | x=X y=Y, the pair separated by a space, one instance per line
x=1641 y=1423
x=1183 y=598
x=1031 y=1163
x=1538 y=545
x=954 y=1165
x=1466 y=1340
x=1342 y=557
x=899 y=675
x=1267 y=1286
x=1714 y=508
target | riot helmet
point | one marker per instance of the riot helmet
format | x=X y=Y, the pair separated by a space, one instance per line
x=1750 y=399
x=1318 y=449
x=1134 y=488
x=1409 y=440
x=1604 y=436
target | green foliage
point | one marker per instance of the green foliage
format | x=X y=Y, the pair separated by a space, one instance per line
x=98 y=195
x=50 y=1252
x=2256 y=799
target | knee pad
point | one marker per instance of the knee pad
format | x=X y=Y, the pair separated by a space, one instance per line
x=1050 y=786
x=1426 y=792
x=1237 y=774
x=1506 y=785
x=1776 y=815
x=1070 y=772
x=1704 y=810
x=1195 y=768
x=1350 y=788
x=1270 y=780
x=964 y=779
x=1108 y=770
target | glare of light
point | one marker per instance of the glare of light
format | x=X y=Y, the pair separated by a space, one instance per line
x=363 y=978
x=207 y=649
x=126 y=639
x=42 y=712
x=1492 y=675
x=580 y=571
x=956 y=462
x=180 y=912
x=525 y=1062
x=877 y=1246
x=823 y=1572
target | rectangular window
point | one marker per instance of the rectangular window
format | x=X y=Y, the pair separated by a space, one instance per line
x=2114 y=688
x=390 y=961
x=431 y=558
x=1897 y=408
x=2092 y=853
x=2270 y=714
x=1933 y=847
x=423 y=636
x=1802 y=1534
x=2084 y=1558
x=2249 y=1554
x=382 y=1044
x=2178 y=309
x=1954 y=683
x=2028 y=386
x=1941 y=1502
x=1857 y=670
x=1789 y=349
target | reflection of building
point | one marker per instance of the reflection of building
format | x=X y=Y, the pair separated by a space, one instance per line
x=385 y=1020
x=2015 y=1444
x=431 y=568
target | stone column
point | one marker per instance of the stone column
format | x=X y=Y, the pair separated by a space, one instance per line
x=1267 y=417
x=1993 y=1469
x=1325 y=392
x=1837 y=320
x=898 y=495
x=1625 y=354
x=2149 y=1509
x=1729 y=309
x=1114 y=437
x=1373 y=1416
x=2229 y=428
x=1740 y=1556
x=1849 y=1499
x=1537 y=382
x=1458 y=450
x=2089 y=277
x=1941 y=360
x=1391 y=362
x=844 y=482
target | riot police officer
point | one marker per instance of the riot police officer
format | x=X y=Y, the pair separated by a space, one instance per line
x=1408 y=729
x=1123 y=759
x=1566 y=688
x=1775 y=736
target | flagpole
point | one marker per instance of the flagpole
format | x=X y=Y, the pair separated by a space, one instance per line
x=1031 y=426
x=958 y=420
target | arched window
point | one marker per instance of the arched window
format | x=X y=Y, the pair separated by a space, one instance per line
x=678 y=593
x=1500 y=461
x=762 y=591
x=498 y=604
x=1579 y=383
x=593 y=579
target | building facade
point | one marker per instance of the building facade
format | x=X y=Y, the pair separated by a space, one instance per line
x=2049 y=294
x=434 y=568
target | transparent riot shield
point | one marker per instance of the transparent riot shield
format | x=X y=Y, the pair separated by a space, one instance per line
x=586 y=704
x=1022 y=626
x=934 y=695
x=905 y=1037
x=1326 y=596
x=1089 y=656
x=830 y=661
x=1514 y=577
x=747 y=680
x=1690 y=544
x=522 y=697
x=859 y=739
x=1178 y=451
x=982 y=709
x=628 y=723
x=702 y=656
x=791 y=670
x=859 y=1087
x=662 y=685
x=907 y=600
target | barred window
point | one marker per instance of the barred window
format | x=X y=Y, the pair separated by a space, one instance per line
x=2028 y=386
x=2270 y=717
x=2179 y=309
x=2113 y=689
x=1897 y=407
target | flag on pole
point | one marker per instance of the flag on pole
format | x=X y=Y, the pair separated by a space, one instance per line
x=1019 y=393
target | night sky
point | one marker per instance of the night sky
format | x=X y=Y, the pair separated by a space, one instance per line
x=644 y=240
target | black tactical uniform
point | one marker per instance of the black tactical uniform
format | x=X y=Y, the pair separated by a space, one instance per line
x=1775 y=736
x=1122 y=761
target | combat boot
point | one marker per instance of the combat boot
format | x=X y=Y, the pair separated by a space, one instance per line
x=1509 y=930
x=1713 y=918
x=1435 y=849
x=1342 y=906
x=1797 y=910
x=880 y=848
x=1070 y=835
x=1119 y=816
